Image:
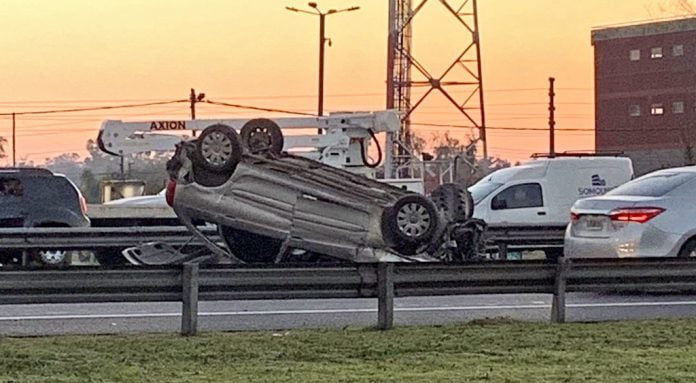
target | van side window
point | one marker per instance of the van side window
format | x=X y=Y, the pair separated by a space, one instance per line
x=518 y=197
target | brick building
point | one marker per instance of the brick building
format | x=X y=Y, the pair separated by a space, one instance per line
x=645 y=92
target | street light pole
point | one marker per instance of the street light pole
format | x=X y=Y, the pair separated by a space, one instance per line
x=322 y=42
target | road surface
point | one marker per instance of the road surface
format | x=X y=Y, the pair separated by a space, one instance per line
x=104 y=318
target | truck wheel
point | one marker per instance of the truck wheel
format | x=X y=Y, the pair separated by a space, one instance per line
x=262 y=135
x=250 y=247
x=411 y=221
x=454 y=201
x=218 y=150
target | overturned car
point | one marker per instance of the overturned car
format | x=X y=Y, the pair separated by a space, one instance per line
x=271 y=206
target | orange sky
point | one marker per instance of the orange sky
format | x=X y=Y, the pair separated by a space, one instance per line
x=76 y=53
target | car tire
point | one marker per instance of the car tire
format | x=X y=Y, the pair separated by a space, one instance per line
x=52 y=258
x=454 y=201
x=250 y=247
x=688 y=250
x=110 y=257
x=262 y=135
x=218 y=150
x=552 y=255
x=411 y=222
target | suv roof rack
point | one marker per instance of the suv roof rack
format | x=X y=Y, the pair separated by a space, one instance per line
x=28 y=171
x=579 y=153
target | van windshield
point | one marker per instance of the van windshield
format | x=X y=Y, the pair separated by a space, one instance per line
x=482 y=189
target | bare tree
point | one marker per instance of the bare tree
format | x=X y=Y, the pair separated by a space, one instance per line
x=3 y=141
x=672 y=8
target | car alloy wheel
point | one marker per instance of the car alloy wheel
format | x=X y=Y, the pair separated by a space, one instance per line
x=52 y=257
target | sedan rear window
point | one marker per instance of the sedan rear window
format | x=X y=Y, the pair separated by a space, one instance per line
x=653 y=185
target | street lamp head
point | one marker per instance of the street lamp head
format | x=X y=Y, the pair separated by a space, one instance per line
x=292 y=9
x=312 y=4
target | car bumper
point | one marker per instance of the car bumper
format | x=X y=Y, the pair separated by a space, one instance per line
x=635 y=240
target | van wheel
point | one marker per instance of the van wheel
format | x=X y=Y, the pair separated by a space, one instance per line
x=218 y=150
x=688 y=250
x=262 y=135
x=454 y=201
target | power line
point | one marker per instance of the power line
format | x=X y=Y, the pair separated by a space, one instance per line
x=258 y=108
x=92 y=108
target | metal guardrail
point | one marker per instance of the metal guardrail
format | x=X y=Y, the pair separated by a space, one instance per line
x=89 y=238
x=192 y=282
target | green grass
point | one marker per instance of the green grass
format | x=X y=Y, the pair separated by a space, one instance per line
x=481 y=351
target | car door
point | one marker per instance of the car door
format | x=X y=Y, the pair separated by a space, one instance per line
x=13 y=211
x=520 y=204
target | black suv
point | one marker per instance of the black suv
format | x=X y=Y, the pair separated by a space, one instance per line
x=33 y=197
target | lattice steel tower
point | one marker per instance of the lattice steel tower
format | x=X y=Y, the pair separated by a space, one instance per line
x=401 y=78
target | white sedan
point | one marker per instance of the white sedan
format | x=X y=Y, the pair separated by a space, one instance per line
x=651 y=216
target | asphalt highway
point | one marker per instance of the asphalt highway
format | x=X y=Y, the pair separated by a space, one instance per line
x=103 y=318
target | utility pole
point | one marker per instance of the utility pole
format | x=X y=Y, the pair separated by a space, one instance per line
x=14 y=142
x=193 y=99
x=552 y=120
x=322 y=42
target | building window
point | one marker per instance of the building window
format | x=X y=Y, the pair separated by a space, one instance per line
x=678 y=50
x=635 y=54
x=634 y=110
x=678 y=107
x=656 y=53
x=657 y=109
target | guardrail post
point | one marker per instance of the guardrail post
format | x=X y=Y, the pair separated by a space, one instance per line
x=502 y=250
x=558 y=304
x=385 y=296
x=189 y=312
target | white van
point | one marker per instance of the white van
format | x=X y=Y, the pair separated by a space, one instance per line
x=541 y=192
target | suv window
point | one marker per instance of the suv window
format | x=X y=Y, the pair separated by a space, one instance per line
x=518 y=197
x=11 y=187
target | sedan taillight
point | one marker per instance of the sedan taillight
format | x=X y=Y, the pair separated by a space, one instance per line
x=169 y=194
x=574 y=216
x=635 y=214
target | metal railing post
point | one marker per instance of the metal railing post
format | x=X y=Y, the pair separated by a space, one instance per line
x=385 y=296
x=189 y=312
x=558 y=304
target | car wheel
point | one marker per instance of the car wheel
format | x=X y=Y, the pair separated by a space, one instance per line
x=110 y=257
x=688 y=250
x=250 y=247
x=52 y=258
x=454 y=201
x=218 y=150
x=552 y=255
x=262 y=135
x=411 y=221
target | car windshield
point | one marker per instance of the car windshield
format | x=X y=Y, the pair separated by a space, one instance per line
x=482 y=189
x=652 y=185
